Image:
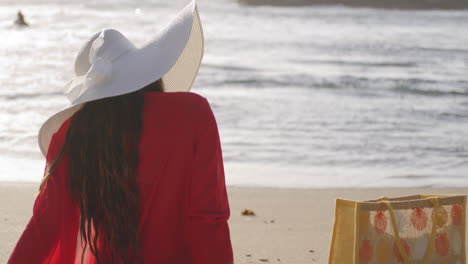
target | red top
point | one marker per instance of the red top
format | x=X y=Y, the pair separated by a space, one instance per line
x=181 y=188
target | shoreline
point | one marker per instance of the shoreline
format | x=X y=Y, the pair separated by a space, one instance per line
x=291 y=225
x=256 y=175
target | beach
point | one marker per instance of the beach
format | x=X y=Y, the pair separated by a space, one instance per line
x=291 y=226
x=312 y=102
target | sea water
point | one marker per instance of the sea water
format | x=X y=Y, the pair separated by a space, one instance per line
x=317 y=96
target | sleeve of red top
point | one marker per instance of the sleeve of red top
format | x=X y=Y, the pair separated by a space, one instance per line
x=208 y=205
x=40 y=238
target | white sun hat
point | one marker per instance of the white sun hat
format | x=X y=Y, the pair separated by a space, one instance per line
x=108 y=64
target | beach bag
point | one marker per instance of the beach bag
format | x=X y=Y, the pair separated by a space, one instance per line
x=419 y=229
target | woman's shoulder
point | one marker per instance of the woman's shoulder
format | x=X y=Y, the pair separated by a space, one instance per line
x=191 y=102
x=185 y=96
x=187 y=109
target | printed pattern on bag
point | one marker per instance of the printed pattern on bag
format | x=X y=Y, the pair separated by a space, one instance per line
x=378 y=244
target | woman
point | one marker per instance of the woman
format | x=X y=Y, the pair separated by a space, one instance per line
x=134 y=166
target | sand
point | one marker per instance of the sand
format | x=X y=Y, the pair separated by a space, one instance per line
x=291 y=226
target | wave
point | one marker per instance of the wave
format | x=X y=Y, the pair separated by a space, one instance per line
x=356 y=84
x=384 y=4
x=428 y=92
x=359 y=63
x=448 y=50
x=228 y=67
x=16 y=96
x=411 y=177
x=453 y=116
x=259 y=83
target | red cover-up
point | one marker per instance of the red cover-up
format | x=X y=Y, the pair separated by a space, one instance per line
x=184 y=205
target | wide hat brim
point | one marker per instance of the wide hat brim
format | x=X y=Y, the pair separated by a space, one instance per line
x=174 y=55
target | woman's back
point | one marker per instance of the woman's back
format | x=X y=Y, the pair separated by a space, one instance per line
x=181 y=181
x=181 y=192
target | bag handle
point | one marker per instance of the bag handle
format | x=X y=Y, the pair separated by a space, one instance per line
x=435 y=202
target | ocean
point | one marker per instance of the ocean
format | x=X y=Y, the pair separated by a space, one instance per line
x=316 y=96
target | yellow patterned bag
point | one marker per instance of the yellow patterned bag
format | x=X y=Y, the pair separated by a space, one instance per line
x=419 y=229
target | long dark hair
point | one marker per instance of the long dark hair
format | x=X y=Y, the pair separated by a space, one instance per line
x=101 y=144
